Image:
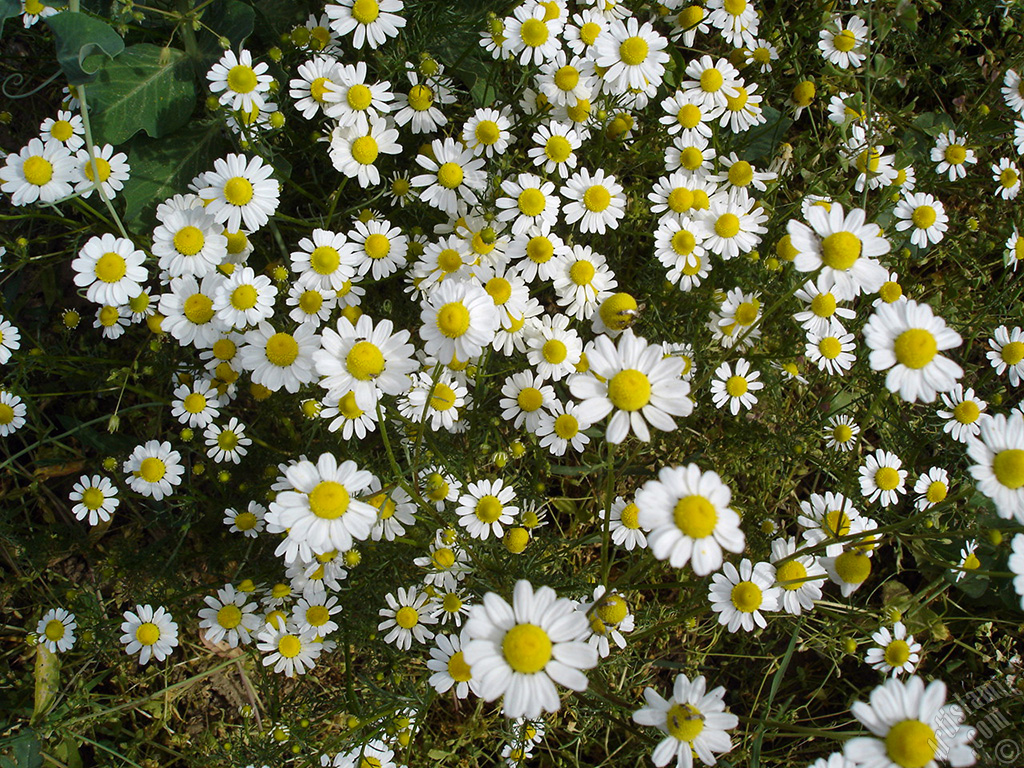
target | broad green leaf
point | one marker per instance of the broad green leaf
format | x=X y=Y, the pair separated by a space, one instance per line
x=47 y=675
x=9 y=9
x=227 y=18
x=23 y=752
x=77 y=36
x=764 y=138
x=164 y=167
x=146 y=88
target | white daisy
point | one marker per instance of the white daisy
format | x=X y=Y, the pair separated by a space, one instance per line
x=290 y=651
x=42 y=172
x=10 y=340
x=370 y=22
x=249 y=523
x=56 y=630
x=965 y=414
x=350 y=100
x=1006 y=174
x=561 y=426
x=881 y=478
x=633 y=55
x=528 y=201
x=485 y=507
x=832 y=353
x=244 y=298
x=111 y=170
x=925 y=215
x=998 y=471
x=735 y=389
x=449 y=667
x=823 y=316
x=894 y=652
x=228 y=442
x=459 y=320
x=277 y=359
x=95 y=498
x=1007 y=353
x=799 y=578
x=624 y=525
x=845 y=45
x=242 y=85
x=229 y=617
x=531 y=36
x=189 y=241
x=555 y=146
x=110 y=269
x=931 y=488
x=524 y=395
x=354 y=151
x=595 y=200
x=841 y=432
x=152 y=634
x=405 y=618
x=952 y=156
x=154 y=469
x=739 y=595
x=240 y=191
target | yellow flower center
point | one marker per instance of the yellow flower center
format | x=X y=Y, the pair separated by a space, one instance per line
x=54 y=630
x=597 y=198
x=365 y=361
x=199 y=308
x=971 y=562
x=936 y=492
x=966 y=412
x=1009 y=178
x=487 y=132
x=244 y=297
x=37 y=170
x=499 y=289
x=365 y=11
x=230 y=616
x=746 y=313
x=237 y=242
x=955 y=154
x=836 y=523
x=436 y=487
x=582 y=272
x=554 y=351
x=101 y=165
x=194 y=403
x=915 y=348
x=530 y=399
x=6 y=413
x=526 y=648
x=453 y=319
x=1012 y=352
x=532 y=201
x=238 y=191
x=923 y=216
x=853 y=566
x=823 y=305
x=684 y=722
x=746 y=596
x=540 y=250
x=629 y=390
x=842 y=433
x=738 y=102
x=688 y=116
x=567 y=78
x=451 y=602
x=897 y=653
x=830 y=347
x=589 y=32
x=61 y=130
x=111 y=267
x=711 y=80
x=421 y=98
x=488 y=509
x=227 y=440
x=245 y=521
x=289 y=646
x=567 y=426
x=741 y=173
x=443 y=398
x=618 y=311
x=691 y=158
x=840 y=250
x=147 y=633
x=887 y=478
x=680 y=200
x=449 y=175
x=443 y=558
x=458 y=668
x=844 y=41
x=407 y=617
x=242 y=79
x=348 y=408
x=329 y=500
x=534 y=32
x=318 y=88
x=317 y=615
x=890 y=291
x=911 y=744
x=695 y=516
x=109 y=316
x=365 y=150
x=93 y=498
x=791 y=575
x=558 y=149
x=282 y=349
x=359 y=97
x=1008 y=467
x=580 y=112
x=612 y=609
x=152 y=469
x=630 y=516
x=189 y=241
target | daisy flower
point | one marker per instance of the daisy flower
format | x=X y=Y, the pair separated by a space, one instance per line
x=832 y=353
x=395 y=510
x=310 y=305
x=609 y=618
x=42 y=172
x=965 y=414
x=849 y=570
x=520 y=651
x=739 y=174
x=998 y=471
x=691 y=155
x=533 y=254
x=881 y=478
x=314 y=611
x=531 y=36
x=524 y=395
x=1013 y=90
x=459 y=320
x=842 y=246
x=451 y=605
x=845 y=45
x=249 y=523
x=369 y=361
x=485 y=507
x=735 y=389
x=229 y=617
x=762 y=53
x=1014 y=252
x=831 y=518
x=453 y=174
x=894 y=652
x=354 y=151
x=242 y=85
x=555 y=146
x=1006 y=174
x=711 y=82
x=370 y=22
x=449 y=667
x=565 y=81
x=95 y=498
x=240 y=191
x=10 y=340
x=113 y=320
x=684 y=115
x=561 y=426
x=405 y=617
x=244 y=298
x=488 y=132
x=110 y=269
x=418 y=107
x=910 y=726
x=633 y=55
x=1016 y=565
x=34 y=10
x=582 y=280
x=636 y=381
x=288 y=650
x=799 y=578
x=931 y=488
x=687 y=514
x=624 y=525
x=374 y=753
x=694 y=722
x=446 y=563
x=925 y=215
x=309 y=89
x=56 y=630
x=152 y=634
x=553 y=348
x=735 y=223
x=277 y=359
x=739 y=596
x=351 y=101
x=1007 y=353
x=436 y=401
x=153 y=470
x=378 y=248
x=438 y=486
x=189 y=241
x=905 y=339
x=952 y=156
x=822 y=316
x=111 y=170
x=528 y=201
x=595 y=200
x=737 y=20
x=228 y=442
x=841 y=433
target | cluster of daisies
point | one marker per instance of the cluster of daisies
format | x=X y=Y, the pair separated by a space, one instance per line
x=571 y=368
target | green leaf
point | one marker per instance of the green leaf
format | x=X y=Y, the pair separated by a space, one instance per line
x=164 y=167
x=47 y=676
x=146 y=88
x=764 y=138
x=77 y=36
x=8 y=10
x=227 y=18
x=24 y=752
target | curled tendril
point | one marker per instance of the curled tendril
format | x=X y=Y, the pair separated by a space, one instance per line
x=17 y=79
